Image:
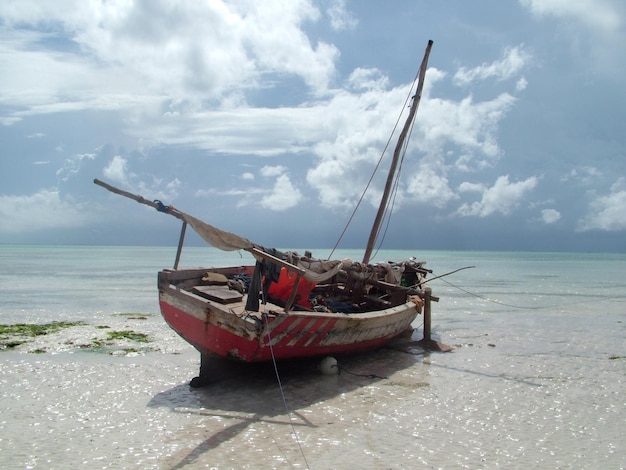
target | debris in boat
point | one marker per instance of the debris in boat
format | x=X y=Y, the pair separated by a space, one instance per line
x=418 y=301
x=215 y=278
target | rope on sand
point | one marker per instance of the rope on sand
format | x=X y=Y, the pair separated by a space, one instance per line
x=282 y=393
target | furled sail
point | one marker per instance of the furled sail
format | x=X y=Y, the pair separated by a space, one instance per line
x=221 y=239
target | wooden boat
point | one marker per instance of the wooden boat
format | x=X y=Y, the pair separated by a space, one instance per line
x=287 y=305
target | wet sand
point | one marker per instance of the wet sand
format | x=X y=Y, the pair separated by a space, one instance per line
x=532 y=390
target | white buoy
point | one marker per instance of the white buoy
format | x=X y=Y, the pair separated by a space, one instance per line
x=328 y=366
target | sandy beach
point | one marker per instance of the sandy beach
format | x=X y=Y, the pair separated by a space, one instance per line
x=531 y=390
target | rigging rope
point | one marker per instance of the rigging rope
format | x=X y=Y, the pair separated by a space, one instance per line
x=282 y=392
x=524 y=307
x=367 y=376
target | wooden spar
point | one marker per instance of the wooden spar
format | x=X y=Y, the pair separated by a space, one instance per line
x=291 y=267
x=158 y=206
x=181 y=241
x=255 y=250
x=396 y=157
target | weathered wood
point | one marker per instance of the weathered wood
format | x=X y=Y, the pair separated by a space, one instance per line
x=290 y=267
x=219 y=294
x=139 y=199
x=427 y=316
x=181 y=240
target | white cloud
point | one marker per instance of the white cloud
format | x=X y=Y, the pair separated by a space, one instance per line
x=71 y=82
x=329 y=178
x=608 y=212
x=188 y=55
x=466 y=187
x=598 y=14
x=340 y=18
x=188 y=51
x=501 y=198
x=357 y=128
x=117 y=170
x=430 y=187
x=550 y=216
x=281 y=196
x=270 y=171
x=585 y=175
x=284 y=195
x=73 y=165
x=467 y=124
x=367 y=79
x=592 y=30
x=159 y=189
x=43 y=210
x=515 y=59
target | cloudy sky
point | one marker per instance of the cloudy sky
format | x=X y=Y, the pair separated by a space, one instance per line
x=268 y=118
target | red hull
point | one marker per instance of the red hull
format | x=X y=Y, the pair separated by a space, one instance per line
x=290 y=336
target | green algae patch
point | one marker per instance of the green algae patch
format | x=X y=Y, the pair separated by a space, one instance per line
x=119 y=343
x=127 y=335
x=17 y=334
x=33 y=329
x=41 y=338
x=134 y=316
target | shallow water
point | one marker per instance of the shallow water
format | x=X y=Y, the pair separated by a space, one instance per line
x=541 y=385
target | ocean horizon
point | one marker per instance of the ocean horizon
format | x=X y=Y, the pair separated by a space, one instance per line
x=196 y=244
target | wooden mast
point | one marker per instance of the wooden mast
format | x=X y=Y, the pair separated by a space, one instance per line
x=396 y=157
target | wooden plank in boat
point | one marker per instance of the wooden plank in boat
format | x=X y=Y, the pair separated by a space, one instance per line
x=219 y=294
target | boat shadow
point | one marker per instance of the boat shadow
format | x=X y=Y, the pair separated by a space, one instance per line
x=254 y=388
x=243 y=394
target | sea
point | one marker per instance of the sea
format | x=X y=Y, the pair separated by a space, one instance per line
x=536 y=376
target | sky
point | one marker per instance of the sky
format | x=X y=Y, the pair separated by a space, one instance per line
x=267 y=119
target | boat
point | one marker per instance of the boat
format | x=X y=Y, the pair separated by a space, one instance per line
x=287 y=305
